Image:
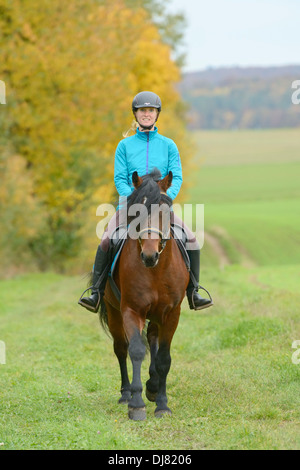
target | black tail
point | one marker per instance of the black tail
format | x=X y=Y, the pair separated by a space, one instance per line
x=102 y=309
x=103 y=317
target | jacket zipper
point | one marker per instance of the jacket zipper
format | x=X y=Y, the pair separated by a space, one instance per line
x=147 y=156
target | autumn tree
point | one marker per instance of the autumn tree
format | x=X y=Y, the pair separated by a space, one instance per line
x=71 y=70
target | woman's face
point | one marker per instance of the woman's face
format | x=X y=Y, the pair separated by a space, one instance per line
x=146 y=117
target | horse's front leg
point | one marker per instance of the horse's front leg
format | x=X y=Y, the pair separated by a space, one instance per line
x=137 y=350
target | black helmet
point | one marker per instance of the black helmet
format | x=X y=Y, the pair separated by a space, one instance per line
x=146 y=99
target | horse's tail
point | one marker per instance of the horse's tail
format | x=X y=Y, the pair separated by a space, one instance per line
x=103 y=317
x=102 y=308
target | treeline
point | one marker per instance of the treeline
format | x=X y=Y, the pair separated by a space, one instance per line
x=71 y=70
x=242 y=98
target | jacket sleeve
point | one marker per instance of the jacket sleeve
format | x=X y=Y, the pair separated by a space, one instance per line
x=121 y=171
x=175 y=167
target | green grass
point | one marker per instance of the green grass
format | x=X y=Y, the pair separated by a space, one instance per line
x=232 y=383
x=245 y=146
x=248 y=182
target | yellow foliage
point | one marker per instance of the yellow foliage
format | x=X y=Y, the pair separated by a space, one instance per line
x=72 y=70
x=21 y=217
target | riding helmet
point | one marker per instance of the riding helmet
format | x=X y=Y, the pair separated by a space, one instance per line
x=146 y=99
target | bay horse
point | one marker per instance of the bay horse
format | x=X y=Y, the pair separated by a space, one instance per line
x=152 y=278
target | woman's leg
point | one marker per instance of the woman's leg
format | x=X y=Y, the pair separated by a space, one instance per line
x=101 y=268
x=196 y=302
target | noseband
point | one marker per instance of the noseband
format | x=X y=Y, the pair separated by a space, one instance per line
x=163 y=237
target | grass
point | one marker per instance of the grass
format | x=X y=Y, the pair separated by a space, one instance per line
x=248 y=182
x=232 y=383
x=245 y=146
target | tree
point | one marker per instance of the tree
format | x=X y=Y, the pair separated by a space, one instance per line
x=71 y=71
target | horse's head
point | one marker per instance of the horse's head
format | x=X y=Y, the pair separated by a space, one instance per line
x=153 y=224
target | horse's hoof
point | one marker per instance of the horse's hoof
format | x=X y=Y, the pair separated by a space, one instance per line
x=137 y=414
x=124 y=401
x=125 y=398
x=161 y=413
x=151 y=395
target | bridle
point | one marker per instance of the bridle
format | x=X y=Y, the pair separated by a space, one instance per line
x=163 y=236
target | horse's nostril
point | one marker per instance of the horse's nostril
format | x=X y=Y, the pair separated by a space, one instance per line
x=150 y=260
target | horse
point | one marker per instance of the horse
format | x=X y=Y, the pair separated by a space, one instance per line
x=152 y=278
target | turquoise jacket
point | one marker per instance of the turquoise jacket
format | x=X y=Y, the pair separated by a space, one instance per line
x=143 y=152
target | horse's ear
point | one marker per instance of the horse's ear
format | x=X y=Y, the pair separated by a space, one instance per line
x=136 y=179
x=166 y=182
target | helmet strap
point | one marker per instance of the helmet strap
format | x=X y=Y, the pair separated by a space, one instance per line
x=145 y=128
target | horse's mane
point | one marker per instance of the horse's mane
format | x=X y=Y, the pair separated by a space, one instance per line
x=148 y=192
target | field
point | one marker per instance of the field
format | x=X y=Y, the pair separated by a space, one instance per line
x=248 y=182
x=234 y=380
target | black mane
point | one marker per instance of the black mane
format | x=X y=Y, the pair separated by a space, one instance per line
x=149 y=192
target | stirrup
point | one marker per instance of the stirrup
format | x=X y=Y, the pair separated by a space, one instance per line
x=206 y=305
x=203 y=288
x=89 y=307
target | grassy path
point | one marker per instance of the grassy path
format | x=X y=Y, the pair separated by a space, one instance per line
x=232 y=383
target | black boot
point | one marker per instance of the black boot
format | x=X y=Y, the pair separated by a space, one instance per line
x=100 y=273
x=196 y=302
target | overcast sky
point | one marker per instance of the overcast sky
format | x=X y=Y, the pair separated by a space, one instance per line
x=240 y=32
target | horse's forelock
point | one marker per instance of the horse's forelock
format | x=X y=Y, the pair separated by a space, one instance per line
x=148 y=192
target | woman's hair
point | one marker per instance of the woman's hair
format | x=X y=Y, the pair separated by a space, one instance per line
x=133 y=128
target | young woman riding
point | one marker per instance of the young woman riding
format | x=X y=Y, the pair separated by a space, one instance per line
x=143 y=152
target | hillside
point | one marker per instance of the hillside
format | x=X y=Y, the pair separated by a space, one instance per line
x=251 y=97
x=248 y=181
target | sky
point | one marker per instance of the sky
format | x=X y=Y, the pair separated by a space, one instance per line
x=225 y=33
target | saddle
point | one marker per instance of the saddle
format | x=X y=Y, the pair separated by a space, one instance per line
x=118 y=239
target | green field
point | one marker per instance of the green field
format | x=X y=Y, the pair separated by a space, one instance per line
x=233 y=383
x=248 y=182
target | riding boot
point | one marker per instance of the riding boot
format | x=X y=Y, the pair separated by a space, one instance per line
x=196 y=302
x=100 y=273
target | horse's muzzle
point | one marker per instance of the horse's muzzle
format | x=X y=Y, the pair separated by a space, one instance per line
x=150 y=261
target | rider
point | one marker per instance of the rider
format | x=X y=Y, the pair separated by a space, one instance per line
x=142 y=152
